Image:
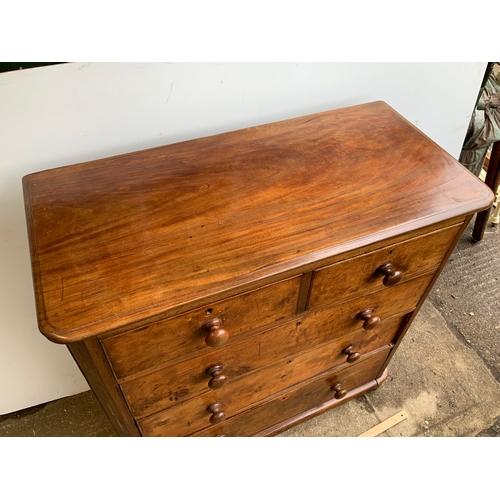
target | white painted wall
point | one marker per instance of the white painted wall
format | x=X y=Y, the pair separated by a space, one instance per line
x=59 y=115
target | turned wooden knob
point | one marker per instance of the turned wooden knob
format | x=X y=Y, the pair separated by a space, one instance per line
x=339 y=392
x=369 y=320
x=390 y=274
x=351 y=355
x=217 y=335
x=218 y=379
x=217 y=414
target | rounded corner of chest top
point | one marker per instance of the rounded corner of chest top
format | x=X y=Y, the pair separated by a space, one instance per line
x=54 y=334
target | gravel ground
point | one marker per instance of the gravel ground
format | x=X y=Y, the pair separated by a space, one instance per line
x=467 y=294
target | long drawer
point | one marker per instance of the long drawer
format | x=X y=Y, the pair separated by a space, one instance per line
x=185 y=335
x=166 y=387
x=169 y=385
x=365 y=274
x=302 y=398
x=245 y=392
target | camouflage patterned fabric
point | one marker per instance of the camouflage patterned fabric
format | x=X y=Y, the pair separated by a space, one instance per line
x=484 y=127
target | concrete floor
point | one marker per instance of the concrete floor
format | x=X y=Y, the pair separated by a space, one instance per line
x=445 y=375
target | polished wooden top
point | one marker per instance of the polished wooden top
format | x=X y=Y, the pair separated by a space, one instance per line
x=125 y=238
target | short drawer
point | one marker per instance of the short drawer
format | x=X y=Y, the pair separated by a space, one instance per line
x=185 y=335
x=171 y=385
x=209 y=408
x=305 y=397
x=363 y=274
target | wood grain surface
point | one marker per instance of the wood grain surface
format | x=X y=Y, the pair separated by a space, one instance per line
x=257 y=387
x=169 y=386
x=174 y=339
x=125 y=238
x=358 y=276
x=289 y=404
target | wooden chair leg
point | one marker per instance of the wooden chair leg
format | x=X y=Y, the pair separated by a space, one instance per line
x=492 y=181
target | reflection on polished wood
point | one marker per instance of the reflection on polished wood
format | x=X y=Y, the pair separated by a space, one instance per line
x=238 y=284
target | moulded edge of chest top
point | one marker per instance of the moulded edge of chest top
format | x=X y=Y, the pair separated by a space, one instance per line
x=261 y=278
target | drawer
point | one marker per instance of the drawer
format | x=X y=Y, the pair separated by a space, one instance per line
x=185 y=335
x=244 y=392
x=359 y=275
x=171 y=385
x=302 y=398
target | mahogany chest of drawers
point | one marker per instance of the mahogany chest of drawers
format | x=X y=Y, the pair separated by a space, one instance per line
x=241 y=283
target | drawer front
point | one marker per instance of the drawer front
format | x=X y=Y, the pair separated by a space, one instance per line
x=171 y=385
x=303 y=398
x=195 y=414
x=185 y=335
x=359 y=275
